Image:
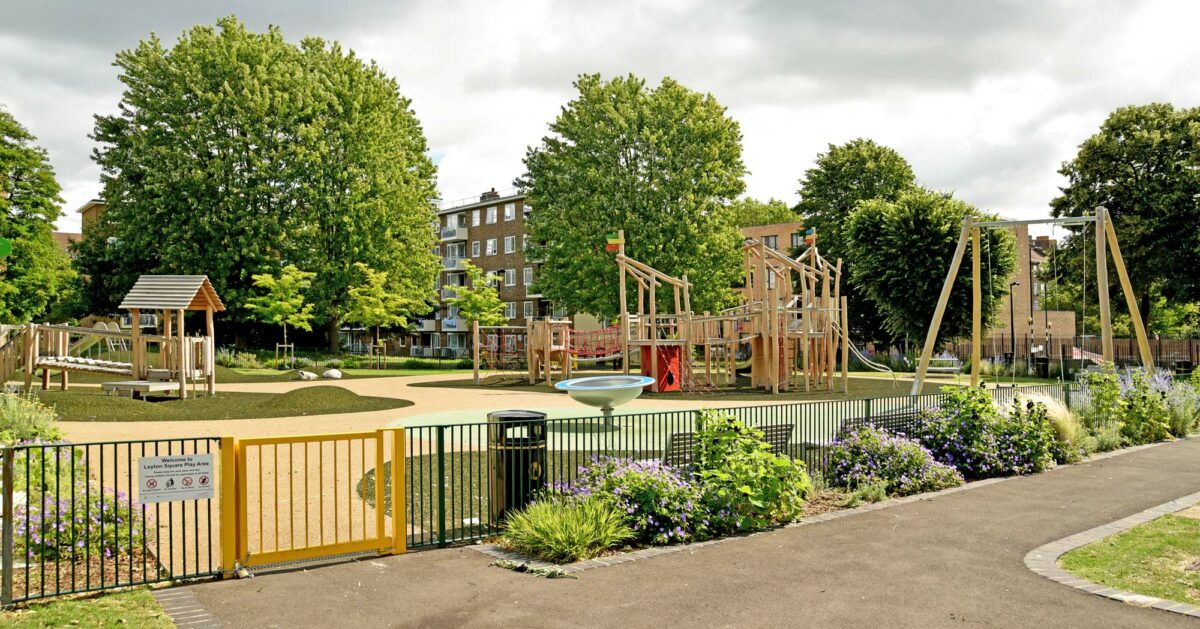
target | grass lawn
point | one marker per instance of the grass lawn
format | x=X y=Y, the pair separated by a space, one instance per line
x=90 y=405
x=859 y=388
x=135 y=609
x=1159 y=558
x=228 y=375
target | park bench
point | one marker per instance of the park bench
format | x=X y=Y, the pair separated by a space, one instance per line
x=681 y=446
x=945 y=364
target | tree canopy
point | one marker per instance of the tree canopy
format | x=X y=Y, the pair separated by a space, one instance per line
x=841 y=178
x=902 y=250
x=281 y=299
x=662 y=163
x=37 y=273
x=1143 y=165
x=234 y=151
x=373 y=304
x=750 y=212
x=477 y=299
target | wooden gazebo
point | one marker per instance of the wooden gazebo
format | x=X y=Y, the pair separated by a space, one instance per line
x=183 y=359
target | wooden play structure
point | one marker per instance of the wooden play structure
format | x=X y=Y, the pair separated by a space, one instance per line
x=541 y=348
x=793 y=318
x=180 y=360
x=1106 y=236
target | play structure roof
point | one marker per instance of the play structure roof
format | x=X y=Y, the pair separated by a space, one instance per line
x=172 y=292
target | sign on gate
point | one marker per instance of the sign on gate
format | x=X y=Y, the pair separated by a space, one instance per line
x=183 y=477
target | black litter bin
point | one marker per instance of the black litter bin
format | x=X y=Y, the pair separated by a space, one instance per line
x=1184 y=367
x=517 y=459
x=1041 y=366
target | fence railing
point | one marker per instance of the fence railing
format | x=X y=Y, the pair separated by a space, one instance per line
x=1165 y=352
x=73 y=520
x=449 y=480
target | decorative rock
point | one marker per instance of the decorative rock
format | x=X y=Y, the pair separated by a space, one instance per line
x=306 y=375
x=332 y=374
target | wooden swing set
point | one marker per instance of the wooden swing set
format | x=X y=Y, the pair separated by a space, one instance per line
x=1106 y=236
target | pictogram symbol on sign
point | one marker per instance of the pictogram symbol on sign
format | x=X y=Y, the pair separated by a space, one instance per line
x=187 y=481
x=204 y=481
x=151 y=483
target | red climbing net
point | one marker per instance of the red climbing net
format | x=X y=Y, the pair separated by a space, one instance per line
x=594 y=343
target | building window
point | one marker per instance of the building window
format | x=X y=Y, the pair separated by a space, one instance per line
x=510 y=211
x=475 y=249
x=493 y=280
x=437 y=341
x=528 y=275
x=460 y=219
x=457 y=341
x=529 y=310
x=491 y=246
x=770 y=281
x=560 y=312
x=510 y=277
x=475 y=218
x=510 y=244
x=491 y=215
x=524 y=242
x=771 y=241
x=510 y=309
x=797 y=239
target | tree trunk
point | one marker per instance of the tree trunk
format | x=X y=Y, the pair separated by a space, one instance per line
x=1144 y=305
x=331 y=332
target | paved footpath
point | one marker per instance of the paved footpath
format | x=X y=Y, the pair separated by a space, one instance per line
x=953 y=560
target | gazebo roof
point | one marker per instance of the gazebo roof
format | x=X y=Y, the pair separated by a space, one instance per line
x=172 y=292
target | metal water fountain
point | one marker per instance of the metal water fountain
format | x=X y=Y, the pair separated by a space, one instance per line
x=605 y=392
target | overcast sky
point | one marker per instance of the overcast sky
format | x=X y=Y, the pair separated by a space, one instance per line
x=983 y=99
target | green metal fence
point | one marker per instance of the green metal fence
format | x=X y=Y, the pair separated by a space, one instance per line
x=449 y=485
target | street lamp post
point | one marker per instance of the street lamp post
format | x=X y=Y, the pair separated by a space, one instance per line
x=1012 y=324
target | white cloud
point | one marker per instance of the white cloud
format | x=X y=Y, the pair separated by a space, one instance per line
x=985 y=99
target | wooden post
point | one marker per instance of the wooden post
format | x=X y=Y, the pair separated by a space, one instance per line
x=943 y=299
x=1106 y=337
x=976 y=305
x=845 y=325
x=30 y=357
x=209 y=359
x=135 y=343
x=181 y=359
x=624 y=303
x=475 y=349
x=653 y=334
x=530 y=353
x=1139 y=329
x=546 y=350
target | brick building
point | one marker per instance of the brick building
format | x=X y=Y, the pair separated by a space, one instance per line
x=490 y=233
x=1030 y=318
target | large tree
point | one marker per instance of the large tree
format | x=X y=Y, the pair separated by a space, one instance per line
x=663 y=164
x=234 y=153
x=841 y=178
x=902 y=250
x=1143 y=165
x=37 y=273
x=750 y=212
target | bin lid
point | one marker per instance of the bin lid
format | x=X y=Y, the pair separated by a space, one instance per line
x=515 y=416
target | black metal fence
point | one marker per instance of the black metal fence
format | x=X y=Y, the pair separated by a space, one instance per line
x=73 y=522
x=1165 y=352
x=452 y=497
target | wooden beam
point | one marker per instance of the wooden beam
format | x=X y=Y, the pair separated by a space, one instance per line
x=182 y=359
x=943 y=299
x=135 y=345
x=475 y=350
x=1106 y=334
x=1135 y=316
x=976 y=305
x=210 y=330
x=624 y=305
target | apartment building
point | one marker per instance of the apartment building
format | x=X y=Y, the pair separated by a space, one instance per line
x=489 y=232
x=1026 y=311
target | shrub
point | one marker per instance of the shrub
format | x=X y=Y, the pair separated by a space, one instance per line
x=333 y=363
x=563 y=529
x=23 y=418
x=867 y=456
x=740 y=474
x=1183 y=408
x=1068 y=431
x=88 y=524
x=1103 y=393
x=1145 y=417
x=970 y=434
x=661 y=505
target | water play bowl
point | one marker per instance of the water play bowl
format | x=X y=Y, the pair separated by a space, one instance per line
x=605 y=392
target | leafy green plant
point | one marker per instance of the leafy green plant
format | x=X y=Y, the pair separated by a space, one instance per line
x=1068 y=431
x=1103 y=393
x=24 y=418
x=659 y=503
x=1183 y=408
x=737 y=468
x=86 y=523
x=867 y=456
x=1145 y=417
x=282 y=300
x=563 y=529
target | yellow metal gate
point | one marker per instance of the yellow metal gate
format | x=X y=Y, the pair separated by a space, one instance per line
x=313 y=496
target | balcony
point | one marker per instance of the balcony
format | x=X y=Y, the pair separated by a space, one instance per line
x=454 y=264
x=450 y=234
x=454 y=325
x=446 y=293
x=427 y=325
